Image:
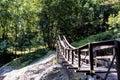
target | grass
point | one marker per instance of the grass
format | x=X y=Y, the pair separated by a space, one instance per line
x=108 y=35
x=27 y=59
x=26 y=51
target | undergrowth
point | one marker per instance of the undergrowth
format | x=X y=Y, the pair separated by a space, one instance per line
x=108 y=35
x=27 y=59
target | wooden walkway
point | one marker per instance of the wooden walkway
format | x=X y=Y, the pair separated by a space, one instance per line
x=89 y=58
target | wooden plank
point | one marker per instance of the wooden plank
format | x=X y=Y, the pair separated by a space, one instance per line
x=99 y=48
x=72 y=67
x=100 y=43
x=103 y=47
x=105 y=71
x=102 y=57
x=64 y=61
x=85 y=57
x=66 y=65
x=111 y=76
x=102 y=72
x=85 y=71
x=84 y=50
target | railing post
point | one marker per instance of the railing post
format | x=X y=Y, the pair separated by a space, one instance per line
x=72 y=56
x=68 y=58
x=79 y=58
x=117 y=49
x=86 y=61
x=65 y=53
x=91 y=58
x=96 y=60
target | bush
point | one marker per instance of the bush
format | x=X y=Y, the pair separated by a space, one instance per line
x=27 y=59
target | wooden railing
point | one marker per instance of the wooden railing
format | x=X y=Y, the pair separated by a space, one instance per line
x=76 y=57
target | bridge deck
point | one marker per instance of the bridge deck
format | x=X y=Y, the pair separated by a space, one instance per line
x=90 y=58
x=99 y=71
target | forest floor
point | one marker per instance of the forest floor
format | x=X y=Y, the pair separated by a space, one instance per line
x=43 y=69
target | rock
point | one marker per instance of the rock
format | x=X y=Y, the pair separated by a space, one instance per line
x=5 y=69
x=46 y=69
x=2 y=77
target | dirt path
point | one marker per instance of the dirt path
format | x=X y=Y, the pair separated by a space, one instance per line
x=44 y=69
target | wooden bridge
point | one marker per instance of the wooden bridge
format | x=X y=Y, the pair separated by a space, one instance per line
x=97 y=59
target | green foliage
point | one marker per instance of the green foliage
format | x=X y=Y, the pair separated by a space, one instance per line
x=25 y=24
x=114 y=21
x=3 y=45
x=75 y=19
x=19 y=24
x=27 y=59
x=108 y=35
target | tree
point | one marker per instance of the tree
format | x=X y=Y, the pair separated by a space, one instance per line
x=19 y=23
x=5 y=17
x=114 y=21
x=73 y=18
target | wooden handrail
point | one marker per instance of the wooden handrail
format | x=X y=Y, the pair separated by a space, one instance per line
x=69 y=50
x=72 y=47
x=100 y=43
